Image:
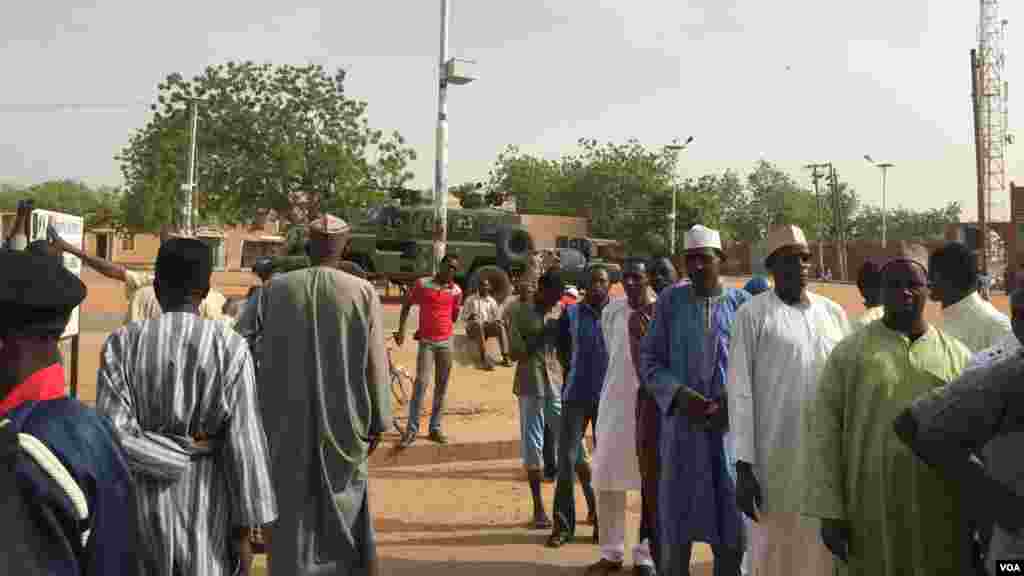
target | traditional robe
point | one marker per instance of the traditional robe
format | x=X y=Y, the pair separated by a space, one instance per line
x=975 y=322
x=164 y=382
x=687 y=346
x=778 y=352
x=869 y=316
x=325 y=390
x=904 y=519
x=616 y=466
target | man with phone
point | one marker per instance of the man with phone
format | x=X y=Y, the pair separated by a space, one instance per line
x=685 y=357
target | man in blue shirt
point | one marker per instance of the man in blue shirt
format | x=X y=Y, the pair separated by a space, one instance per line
x=583 y=347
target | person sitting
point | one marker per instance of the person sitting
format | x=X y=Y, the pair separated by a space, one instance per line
x=483 y=320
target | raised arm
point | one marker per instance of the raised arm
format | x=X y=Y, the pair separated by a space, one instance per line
x=148 y=453
x=104 y=267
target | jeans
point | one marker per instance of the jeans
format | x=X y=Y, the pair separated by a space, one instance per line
x=436 y=356
x=536 y=412
x=575 y=417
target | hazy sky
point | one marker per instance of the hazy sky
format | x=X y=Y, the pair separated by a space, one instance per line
x=876 y=76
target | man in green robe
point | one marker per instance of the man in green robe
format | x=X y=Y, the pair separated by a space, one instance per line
x=883 y=511
x=324 y=390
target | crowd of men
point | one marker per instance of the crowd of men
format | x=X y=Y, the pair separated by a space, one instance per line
x=760 y=421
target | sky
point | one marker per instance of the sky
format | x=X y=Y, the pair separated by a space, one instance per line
x=790 y=81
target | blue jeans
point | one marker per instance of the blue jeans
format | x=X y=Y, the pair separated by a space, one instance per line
x=433 y=357
x=576 y=415
x=534 y=413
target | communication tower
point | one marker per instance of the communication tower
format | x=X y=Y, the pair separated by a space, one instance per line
x=992 y=109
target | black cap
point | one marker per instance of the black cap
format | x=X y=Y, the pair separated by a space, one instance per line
x=37 y=294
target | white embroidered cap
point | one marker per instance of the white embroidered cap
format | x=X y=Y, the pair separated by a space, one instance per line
x=702 y=237
x=783 y=236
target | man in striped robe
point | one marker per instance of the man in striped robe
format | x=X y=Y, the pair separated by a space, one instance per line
x=180 y=391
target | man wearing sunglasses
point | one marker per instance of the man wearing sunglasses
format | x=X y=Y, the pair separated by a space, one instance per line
x=780 y=342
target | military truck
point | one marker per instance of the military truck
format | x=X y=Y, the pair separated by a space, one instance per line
x=594 y=252
x=396 y=242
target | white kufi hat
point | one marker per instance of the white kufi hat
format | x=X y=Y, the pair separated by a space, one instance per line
x=703 y=237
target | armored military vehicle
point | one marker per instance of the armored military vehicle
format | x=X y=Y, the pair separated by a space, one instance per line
x=397 y=242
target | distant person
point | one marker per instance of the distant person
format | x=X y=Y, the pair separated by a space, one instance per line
x=966 y=316
x=439 y=299
x=533 y=342
x=664 y=274
x=985 y=282
x=17 y=237
x=757 y=285
x=869 y=282
x=885 y=513
x=325 y=391
x=571 y=296
x=70 y=467
x=142 y=301
x=181 y=392
x=250 y=321
x=483 y=321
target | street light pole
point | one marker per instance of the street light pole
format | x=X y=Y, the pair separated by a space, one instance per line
x=186 y=209
x=815 y=176
x=884 y=167
x=677 y=148
x=441 y=161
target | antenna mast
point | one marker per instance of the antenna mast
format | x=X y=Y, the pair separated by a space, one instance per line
x=992 y=119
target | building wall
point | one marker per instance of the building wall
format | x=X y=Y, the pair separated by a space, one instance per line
x=546 y=229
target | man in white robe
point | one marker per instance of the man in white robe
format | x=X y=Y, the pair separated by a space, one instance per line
x=781 y=340
x=966 y=316
x=616 y=469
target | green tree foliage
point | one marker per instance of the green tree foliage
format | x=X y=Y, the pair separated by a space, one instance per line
x=271 y=138
x=904 y=224
x=98 y=206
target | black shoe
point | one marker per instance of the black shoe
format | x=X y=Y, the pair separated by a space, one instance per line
x=407 y=440
x=602 y=567
x=438 y=436
x=644 y=570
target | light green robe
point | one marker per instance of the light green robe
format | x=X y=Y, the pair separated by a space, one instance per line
x=904 y=519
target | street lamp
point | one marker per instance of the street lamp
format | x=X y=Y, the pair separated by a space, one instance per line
x=677 y=148
x=190 y=187
x=815 y=176
x=450 y=71
x=884 y=167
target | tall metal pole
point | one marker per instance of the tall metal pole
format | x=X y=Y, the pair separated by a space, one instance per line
x=821 y=244
x=885 y=171
x=672 y=223
x=441 y=162
x=191 y=187
x=979 y=155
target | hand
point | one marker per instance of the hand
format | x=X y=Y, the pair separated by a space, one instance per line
x=748 y=491
x=374 y=442
x=399 y=337
x=836 y=536
x=717 y=415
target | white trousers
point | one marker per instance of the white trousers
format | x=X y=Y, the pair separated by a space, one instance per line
x=783 y=544
x=611 y=522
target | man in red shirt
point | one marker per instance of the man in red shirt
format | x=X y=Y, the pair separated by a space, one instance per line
x=439 y=299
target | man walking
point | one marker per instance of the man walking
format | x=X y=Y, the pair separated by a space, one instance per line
x=439 y=299
x=883 y=512
x=780 y=342
x=326 y=400
x=685 y=357
x=69 y=466
x=648 y=426
x=966 y=316
x=180 y=391
x=483 y=321
x=582 y=343
x=616 y=466
x=533 y=341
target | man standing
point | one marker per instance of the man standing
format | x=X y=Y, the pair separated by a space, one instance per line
x=142 y=300
x=439 y=299
x=980 y=411
x=180 y=391
x=533 y=341
x=966 y=316
x=483 y=321
x=869 y=282
x=69 y=465
x=780 y=342
x=582 y=344
x=685 y=357
x=648 y=425
x=883 y=512
x=250 y=321
x=616 y=466
x=326 y=400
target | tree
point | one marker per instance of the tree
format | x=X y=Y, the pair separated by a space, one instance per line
x=904 y=224
x=271 y=138
x=98 y=206
x=535 y=183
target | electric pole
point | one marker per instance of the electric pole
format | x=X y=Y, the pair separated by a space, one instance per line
x=186 y=208
x=815 y=176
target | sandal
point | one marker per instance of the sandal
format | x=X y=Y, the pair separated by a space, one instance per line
x=557 y=540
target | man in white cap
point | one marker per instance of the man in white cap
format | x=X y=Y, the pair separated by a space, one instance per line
x=685 y=357
x=780 y=343
x=884 y=512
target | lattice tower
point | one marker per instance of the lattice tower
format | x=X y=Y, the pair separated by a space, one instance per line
x=993 y=96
